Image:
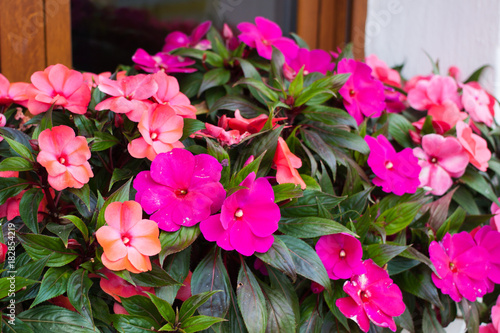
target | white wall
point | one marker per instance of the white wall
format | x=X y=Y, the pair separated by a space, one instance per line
x=464 y=33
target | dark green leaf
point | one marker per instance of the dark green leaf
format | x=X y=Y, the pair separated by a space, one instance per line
x=190 y=305
x=15 y=164
x=342 y=138
x=18 y=326
x=308 y=204
x=138 y=305
x=284 y=192
x=405 y=321
x=281 y=318
x=28 y=208
x=61 y=230
x=260 y=88
x=103 y=141
x=163 y=307
x=191 y=126
x=40 y=246
x=214 y=149
x=314 y=141
x=156 y=277
x=199 y=323
x=411 y=253
x=213 y=78
x=279 y=257
x=86 y=127
x=243 y=173
x=211 y=58
x=300 y=42
x=79 y=224
x=10 y=187
x=399 y=127
x=310 y=318
x=78 y=293
x=121 y=195
x=251 y=301
x=297 y=84
x=465 y=199
x=329 y=115
x=54 y=283
x=452 y=224
x=476 y=181
x=232 y=103
x=419 y=284
x=474 y=77
x=19 y=282
x=51 y=318
x=430 y=323
x=82 y=193
x=134 y=324
x=177 y=265
x=331 y=299
x=173 y=242
x=310 y=227
x=399 y=217
x=16 y=146
x=306 y=260
x=382 y=253
x=282 y=284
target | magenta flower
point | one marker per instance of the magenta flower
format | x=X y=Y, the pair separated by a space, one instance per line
x=372 y=296
x=162 y=61
x=341 y=255
x=363 y=95
x=181 y=189
x=495 y=220
x=264 y=35
x=440 y=158
x=129 y=95
x=312 y=61
x=395 y=172
x=462 y=266
x=248 y=219
x=177 y=39
x=489 y=239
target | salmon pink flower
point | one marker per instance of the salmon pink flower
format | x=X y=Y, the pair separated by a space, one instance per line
x=312 y=61
x=185 y=291
x=13 y=92
x=65 y=157
x=286 y=165
x=250 y=125
x=475 y=146
x=248 y=219
x=177 y=39
x=168 y=93
x=118 y=309
x=117 y=287
x=341 y=255
x=382 y=72
x=127 y=240
x=128 y=95
x=264 y=35
x=162 y=61
x=495 y=220
x=434 y=91
x=161 y=130
x=440 y=158
x=462 y=266
x=477 y=103
x=10 y=209
x=372 y=297
x=395 y=172
x=59 y=86
x=181 y=189
x=363 y=95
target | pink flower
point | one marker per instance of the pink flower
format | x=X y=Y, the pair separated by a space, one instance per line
x=382 y=72
x=3 y=252
x=316 y=288
x=93 y=80
x=10 y=209
x=312 y=61
x=177 y=39
x=286 y=165
x=248 y=219
x=474 y=145
x=441 y=158
x=489 y=328
x=168 y=93
x=118 y=309
x=395 y=172
x=59 y=86
x=181 y=189
x=260 y=266
x=225 y=138
x=65 y=156
x=128 y=95
x=436 y=91
x=341 y=255
x=161 y=130
x=447 y=114
x=250 y=125
x=162 y=61
x=495 y=220
x=117 y=287
x=477 y=103
x=495 y=314
x=363 y=95
x=489 y=239
x=264 y=35
x=372 y=296
x=13 y=92
x=462 y=266
x=232 y=42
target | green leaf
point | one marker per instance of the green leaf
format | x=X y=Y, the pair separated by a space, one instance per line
x=173 y=242
x=452 y=224
x=10 y=187
x=138 y=305
x=51 y=318
x=411 y=253
x=279 y=257
x=329 y=116
x=243 y=173
x=310 y=227
x=476 y=181
x=16 y=164
x=156 y=277
x=399 y=217
x=308 y=204
x=310 y=318
x=82 y=193
x=297 y=84
x=79 y=224
x=199 y=323
x=17 y=327
x=300 y=42
x=217 y=45
x=86 y=127
x=28 y=208
x=45 y=123
x=190 y=305
x=430 y=323
x=306 y=260
x=78 y=293
x=281 y=317
x=233 y=103
x=251 y=301
x=465 y=199
x=474 y=77
x=103 y=141
x=211 y=58
x=213 y=78
x=314 y=141
x=284 y=192
x=382 y=253
x=54 y=283
x=163 y=307
x=281 y=283
x=19 y=282
x=40 y=246
x=121 y=195
x=419 y=284
x=342 y=138
x=177 y=265
x=191 y=126
x=210 y=275
x=234 y=323
x=399 y=127
x=331 y=299
x=260 y=88
x=214 y=149
x=61 y=230
x=134 y=324
x=18 y=147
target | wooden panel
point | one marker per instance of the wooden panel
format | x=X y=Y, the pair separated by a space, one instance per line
x=359 y=12
x=308 y=21
x=328 y=19
x=58 y=32
x=22 y=38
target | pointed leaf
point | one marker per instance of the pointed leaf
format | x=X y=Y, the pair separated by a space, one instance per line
x=163 y=307
x=279 y=257
x=78 y=293
x=16 y=164
x=173 y=242
x=310 y=227
x=28 y=208
x=251 y=301
x=40 y=246
x=51 y=318
x=54 y=283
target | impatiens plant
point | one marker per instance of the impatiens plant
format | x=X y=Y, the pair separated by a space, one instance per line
x=238 y=181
